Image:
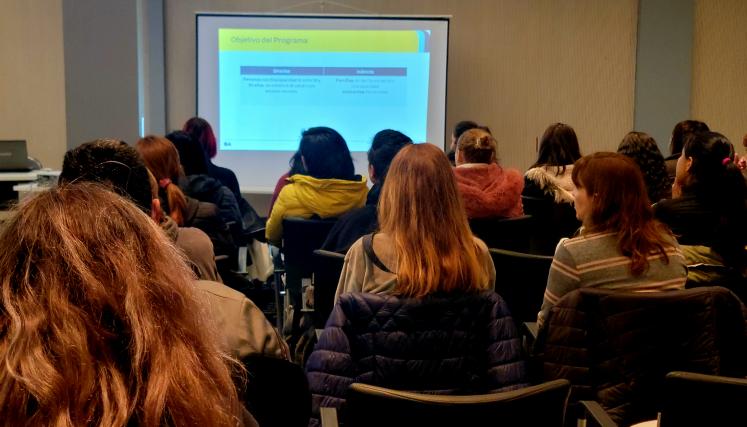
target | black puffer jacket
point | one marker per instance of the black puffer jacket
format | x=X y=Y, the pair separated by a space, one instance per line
x=458 y=344
x=616 y=347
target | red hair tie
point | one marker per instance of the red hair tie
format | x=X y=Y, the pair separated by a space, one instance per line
x=163 y=183
x=725 y=161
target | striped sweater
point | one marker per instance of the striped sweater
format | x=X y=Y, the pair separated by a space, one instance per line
x=594 y=260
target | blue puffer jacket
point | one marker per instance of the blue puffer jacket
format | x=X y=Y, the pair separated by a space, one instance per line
x=445 y=344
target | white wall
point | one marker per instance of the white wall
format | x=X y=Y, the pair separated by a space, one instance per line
x=32 y=77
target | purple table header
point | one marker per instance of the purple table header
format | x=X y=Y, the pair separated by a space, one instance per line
x=323 y=71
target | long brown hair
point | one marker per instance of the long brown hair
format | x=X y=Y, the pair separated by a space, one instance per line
x=619 y=203
x=162 y=159
x=99 y=321
x=421 y=210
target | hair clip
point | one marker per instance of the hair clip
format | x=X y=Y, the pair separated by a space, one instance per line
x=725 y=161
x=163 y=183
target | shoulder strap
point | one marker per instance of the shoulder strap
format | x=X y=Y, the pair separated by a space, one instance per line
x=368 y=248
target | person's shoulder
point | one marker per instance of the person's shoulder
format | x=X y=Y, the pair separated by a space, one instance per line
x=219 y=290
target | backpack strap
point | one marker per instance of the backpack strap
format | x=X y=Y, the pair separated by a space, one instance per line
x=368 y=248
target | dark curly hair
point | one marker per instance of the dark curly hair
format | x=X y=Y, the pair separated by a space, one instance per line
x=642 y=148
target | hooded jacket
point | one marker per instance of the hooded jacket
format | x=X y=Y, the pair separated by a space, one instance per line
x=306 y=196
x=489 y=190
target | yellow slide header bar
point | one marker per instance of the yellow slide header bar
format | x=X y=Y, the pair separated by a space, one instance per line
x=317 y=40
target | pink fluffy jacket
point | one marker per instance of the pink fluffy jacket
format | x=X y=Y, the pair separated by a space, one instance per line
x=489 y=190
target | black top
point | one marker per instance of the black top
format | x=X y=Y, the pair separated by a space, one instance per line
x=354 y=224
x=691 y=221
x=226 y=177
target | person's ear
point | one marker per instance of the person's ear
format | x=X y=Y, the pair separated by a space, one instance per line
x=156 y=213
x=688 y=163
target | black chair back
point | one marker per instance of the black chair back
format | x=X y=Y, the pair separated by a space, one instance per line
x=300 y=238
x=552 y=221
x=327 y=269
x=521 y=280
x=508 y=233
x=539 y=405
x=699 y=400
x=276 y=392
x=616 y=347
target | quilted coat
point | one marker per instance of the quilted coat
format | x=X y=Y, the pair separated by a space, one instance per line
x=446 y=344
x=616 y=347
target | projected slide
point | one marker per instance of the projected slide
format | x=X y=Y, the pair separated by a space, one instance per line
x=273 y=83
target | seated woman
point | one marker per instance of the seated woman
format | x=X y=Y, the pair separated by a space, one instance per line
x=328 y=187
x=424 y=232
x=548 y=187
x=621 y=245
x=102 y=324
x=642 y=148
x=162 y=159
x=487 y=189
x=707 y=212
x=200 y=131
x=438 y=326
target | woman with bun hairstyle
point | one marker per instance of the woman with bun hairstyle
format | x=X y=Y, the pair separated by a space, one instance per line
x=707 y=211
x=487 y=189
x=101 y=324
x=621 y=246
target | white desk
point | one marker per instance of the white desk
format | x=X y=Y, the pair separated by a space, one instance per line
x=18 y=176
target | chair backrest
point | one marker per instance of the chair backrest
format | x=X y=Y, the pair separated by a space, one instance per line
x=616 y=347
x=552 y=221
x=508 y=233
x=300 y=238
x=327 y=269
x=698 y=400
x=276 y=392
x=521 y=280
x=539 y=405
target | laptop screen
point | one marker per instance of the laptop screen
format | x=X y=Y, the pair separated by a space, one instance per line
x=13 y=156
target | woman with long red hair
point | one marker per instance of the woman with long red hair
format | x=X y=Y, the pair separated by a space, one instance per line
x=100 y=324
x=621 y=245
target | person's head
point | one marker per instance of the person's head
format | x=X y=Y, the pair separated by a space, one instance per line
x=610 y=196
x=385 y=145
x=459 y=129
x=110 y=162
x=191 y=156
x=682 y=131
x=476 y=146
x=642 y=148
x=201 y=131
x=101 y=324
x=162 y=159
x=325 y=154
x=421 y=210
x=706 y=169
x=558 y=147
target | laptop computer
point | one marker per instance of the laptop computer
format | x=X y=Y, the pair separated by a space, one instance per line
x=13 y=156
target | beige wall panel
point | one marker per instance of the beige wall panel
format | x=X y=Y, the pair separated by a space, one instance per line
x=720 y=67
x=514 y=65
x=32 y=77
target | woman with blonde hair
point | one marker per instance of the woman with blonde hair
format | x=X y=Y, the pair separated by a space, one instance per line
x=100 y=322
x=424 y=244
x=427 y=313
x=488 y=190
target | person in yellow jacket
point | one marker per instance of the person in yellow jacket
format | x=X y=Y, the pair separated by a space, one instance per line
x=328 y=187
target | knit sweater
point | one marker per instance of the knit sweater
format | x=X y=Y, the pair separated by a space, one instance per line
x=594 y=260
x=489 y=190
